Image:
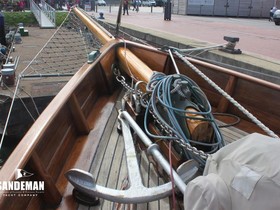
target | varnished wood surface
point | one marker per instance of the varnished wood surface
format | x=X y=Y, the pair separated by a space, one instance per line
x=101 y=34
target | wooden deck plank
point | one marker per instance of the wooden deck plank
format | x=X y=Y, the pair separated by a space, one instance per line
x=99 y=157
x=122 y=180
x=163 y=203
x=114 y=176
x=105 y=167
x=232 y=134
x=152 y=181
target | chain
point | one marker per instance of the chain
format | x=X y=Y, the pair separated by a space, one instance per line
x=179 y=141
x=164 y=128
x=121 y=80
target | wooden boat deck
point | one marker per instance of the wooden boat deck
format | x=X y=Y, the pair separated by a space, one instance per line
x=109 y=166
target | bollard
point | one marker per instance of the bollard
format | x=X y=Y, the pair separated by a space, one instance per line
x=101 y=15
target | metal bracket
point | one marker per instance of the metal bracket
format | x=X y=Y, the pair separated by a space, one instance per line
x=93 y=56
x=85 y=183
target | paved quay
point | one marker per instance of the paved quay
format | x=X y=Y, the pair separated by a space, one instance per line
x=259 y=39
x=257 y=36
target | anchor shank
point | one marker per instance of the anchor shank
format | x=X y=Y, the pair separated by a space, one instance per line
x=134 y=173
x=154 y=151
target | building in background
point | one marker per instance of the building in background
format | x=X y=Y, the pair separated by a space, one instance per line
x=230 y=8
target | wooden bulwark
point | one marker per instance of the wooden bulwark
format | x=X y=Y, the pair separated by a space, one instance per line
x=79 y=118
x=54 y=135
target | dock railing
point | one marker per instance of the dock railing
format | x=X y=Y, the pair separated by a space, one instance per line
x=48 y=10
x=44 y=14
x=36 y=11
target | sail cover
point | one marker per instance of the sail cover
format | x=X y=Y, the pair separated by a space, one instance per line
x=242 y=175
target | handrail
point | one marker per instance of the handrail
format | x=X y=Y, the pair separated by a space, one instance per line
x=36 y=11
x=49 y=11
x=46 y=9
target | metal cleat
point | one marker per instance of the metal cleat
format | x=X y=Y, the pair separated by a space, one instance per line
x=230 y=46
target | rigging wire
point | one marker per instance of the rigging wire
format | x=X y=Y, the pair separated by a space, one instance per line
x=17 y=87
x=248 y=71
x=173 y=61
x=22 y=72
x=227 y=96
x=9 y=113
x=36 y=108
x=33 y=118
x=171 y=175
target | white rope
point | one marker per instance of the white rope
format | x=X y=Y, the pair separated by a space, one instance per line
x=37 y=110
x=227 y=96
x=203 y=48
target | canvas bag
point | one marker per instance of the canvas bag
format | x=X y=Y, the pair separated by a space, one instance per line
x=244 y=175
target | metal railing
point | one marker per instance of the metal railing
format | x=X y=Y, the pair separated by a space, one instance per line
x=43 y=10
x=36 y=11
x=49 y=11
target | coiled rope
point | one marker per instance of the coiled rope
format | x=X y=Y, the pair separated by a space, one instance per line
x=168 y=97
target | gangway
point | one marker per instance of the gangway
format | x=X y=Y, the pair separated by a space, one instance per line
x=44 y=14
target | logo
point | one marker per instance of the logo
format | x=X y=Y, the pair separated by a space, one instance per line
x=22 y=186
x=22 y=173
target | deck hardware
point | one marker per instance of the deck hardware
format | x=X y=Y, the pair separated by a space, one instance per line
x=230 y=46
x=85 y=199
x=92 y=56
x=188 y=169
x=153 y=150
x=17 y=38
x=101 y=15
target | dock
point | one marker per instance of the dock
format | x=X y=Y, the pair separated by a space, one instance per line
x=257 y=37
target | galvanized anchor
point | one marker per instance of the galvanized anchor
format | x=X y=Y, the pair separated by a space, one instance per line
x=85 y=183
